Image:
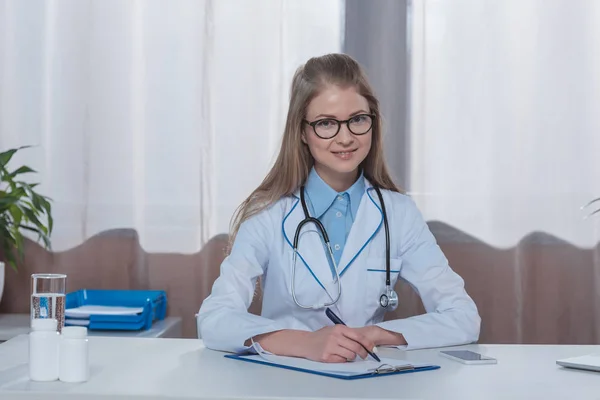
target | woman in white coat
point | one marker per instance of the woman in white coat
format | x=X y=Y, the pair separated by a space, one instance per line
x=331 y=156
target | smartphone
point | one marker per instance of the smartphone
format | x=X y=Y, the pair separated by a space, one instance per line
x=467 y=357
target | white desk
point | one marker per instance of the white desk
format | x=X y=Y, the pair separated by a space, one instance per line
x=181 y=368
x=12 y=325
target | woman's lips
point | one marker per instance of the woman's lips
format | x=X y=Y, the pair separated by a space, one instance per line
x=344 y=155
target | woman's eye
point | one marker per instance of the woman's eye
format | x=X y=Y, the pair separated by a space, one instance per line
x=358 y=119
x=325 y=124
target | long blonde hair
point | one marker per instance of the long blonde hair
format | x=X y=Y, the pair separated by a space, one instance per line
x=294 y=161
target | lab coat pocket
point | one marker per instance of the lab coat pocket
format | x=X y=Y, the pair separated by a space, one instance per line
x=375 y=287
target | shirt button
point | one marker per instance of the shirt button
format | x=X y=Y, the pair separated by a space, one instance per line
x=340 y=198
x=338 y=214
x=337 y=247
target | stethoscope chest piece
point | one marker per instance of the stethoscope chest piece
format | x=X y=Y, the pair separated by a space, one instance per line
x=389 y=299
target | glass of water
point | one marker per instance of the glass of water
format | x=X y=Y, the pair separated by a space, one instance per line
x=48 y=297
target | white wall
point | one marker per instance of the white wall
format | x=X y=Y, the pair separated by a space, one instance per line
x=253 y=69
x=505 y=125
x=161 y=118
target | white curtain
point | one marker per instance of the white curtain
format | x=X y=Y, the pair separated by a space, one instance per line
x=504 y=119
x=154 y=115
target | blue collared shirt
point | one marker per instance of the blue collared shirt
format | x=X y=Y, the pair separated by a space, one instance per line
x=336 y=211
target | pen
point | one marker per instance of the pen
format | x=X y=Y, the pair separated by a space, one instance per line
x=336 y=320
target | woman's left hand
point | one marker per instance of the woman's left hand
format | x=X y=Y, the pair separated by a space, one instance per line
x=382 y=337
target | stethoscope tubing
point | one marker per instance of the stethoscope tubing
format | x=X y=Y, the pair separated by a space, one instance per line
x=308 y=219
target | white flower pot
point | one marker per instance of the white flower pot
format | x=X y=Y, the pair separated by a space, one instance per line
x=1 y=279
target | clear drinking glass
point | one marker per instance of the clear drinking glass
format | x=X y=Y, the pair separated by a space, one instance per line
x=48 y=293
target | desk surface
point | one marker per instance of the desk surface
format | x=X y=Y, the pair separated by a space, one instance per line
x=12 y=325
x=183 y=368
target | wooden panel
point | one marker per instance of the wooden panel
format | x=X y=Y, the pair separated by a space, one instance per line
x=542 y=291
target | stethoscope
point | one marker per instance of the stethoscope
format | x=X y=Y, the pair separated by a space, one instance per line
x=388 y=299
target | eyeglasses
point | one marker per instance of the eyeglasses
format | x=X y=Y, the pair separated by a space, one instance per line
x=329 y=127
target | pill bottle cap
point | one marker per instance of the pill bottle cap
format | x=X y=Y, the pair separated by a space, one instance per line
x=74 y=332
x=44 y=324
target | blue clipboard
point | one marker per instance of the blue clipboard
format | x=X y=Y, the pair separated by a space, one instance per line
x=384 y=370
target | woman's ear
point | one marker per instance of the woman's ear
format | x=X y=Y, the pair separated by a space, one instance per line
x=303 y=137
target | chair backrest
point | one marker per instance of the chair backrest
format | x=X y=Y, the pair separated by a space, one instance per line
x=104 y=261
x=541 y=291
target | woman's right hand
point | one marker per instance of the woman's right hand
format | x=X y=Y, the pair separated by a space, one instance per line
x=336 y=344
x=331 y=344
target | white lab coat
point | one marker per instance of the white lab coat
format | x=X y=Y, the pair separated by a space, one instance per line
x=263 y=247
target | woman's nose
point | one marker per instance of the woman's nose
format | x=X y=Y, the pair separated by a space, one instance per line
x=344 y=136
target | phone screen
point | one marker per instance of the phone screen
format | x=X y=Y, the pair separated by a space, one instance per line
x=466 y=355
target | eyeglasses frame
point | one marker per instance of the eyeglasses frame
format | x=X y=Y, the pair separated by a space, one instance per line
x=339 y=124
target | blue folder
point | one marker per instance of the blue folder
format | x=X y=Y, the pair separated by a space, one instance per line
x=385 y=368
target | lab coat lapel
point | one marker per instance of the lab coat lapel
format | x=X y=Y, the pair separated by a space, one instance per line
x=368 y=221
x=313 y=273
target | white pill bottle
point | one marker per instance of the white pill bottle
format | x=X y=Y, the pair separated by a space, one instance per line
x=43 y=350
x=74 y=359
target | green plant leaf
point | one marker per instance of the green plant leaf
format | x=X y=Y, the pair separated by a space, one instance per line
x=25 y=184
x=48 y=208
x=31 y=216
x=8 y=154
x=18 y=237
x=16 y=213
x=35 y=199
x=40 y=234
x=21 y=208
x=21 y=170
x=8 y=246
x=17 y=193
x=47 y=242
x=9 y=200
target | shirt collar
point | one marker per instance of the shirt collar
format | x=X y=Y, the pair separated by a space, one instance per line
x=322 y=195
